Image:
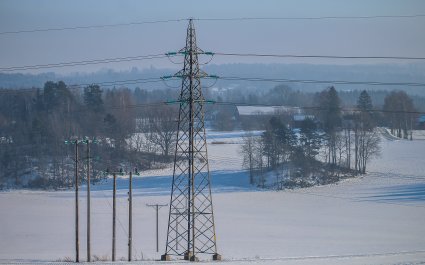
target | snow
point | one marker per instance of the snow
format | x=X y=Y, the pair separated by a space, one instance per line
x=223 y=153
x=260 y=110
x=374 y=219
x=214 y=135
x=416 y=134
x=419 y=134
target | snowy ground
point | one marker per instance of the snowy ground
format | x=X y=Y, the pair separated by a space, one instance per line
x=375 y=219
x=416 y=134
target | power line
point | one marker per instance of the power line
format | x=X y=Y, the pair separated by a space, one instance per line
x=312 y=18
x=160 y=56
x=228 y=103
x=92 y=26
x=155 y=80
x=86 y=62
x=78 y=86
x=313 y=81
x=352 y=109
x=164 y=103
x=254 y=79
x=100 y=26
x=318 y=56
x=158 y=104
x=124 y=82
x=233 y=78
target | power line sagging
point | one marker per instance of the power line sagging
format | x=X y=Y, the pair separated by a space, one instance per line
x=136 y=23
x=161 y=56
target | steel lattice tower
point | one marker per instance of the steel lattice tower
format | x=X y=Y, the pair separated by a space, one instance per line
x=191 y=227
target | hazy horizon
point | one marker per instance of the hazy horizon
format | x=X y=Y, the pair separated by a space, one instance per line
x=343 y=37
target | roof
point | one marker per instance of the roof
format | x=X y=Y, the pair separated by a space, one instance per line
x=261 y=110
x=302 y=117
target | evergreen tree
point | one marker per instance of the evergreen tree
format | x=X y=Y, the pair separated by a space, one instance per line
x=331 y=108
x=93 y=98
x=364 y=102
x=310 y=139
x=278 y=141
x=330 y=117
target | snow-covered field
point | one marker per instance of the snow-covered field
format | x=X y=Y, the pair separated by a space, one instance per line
x=418 y=134
x=375 y=219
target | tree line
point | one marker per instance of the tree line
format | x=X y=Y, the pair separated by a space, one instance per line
x=130 y=132
x=35 y=123
x=326 y=145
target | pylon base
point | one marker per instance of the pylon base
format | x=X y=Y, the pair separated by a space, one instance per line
x=194 y=258
x=217 y=257
x=165 y=257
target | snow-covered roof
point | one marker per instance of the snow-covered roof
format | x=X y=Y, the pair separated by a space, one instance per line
x=301 y=117
x=260 y=110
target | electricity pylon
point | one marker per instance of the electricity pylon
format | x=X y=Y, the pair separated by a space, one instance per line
x=191 y=228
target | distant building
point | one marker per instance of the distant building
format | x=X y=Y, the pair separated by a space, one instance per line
x=262 y=110
x=297 y=120
x=257 y=117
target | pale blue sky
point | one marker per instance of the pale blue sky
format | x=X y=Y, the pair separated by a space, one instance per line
x=380 y=37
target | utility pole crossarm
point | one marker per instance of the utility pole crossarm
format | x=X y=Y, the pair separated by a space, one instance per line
x=157 y=207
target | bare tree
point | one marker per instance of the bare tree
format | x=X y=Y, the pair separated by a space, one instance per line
x=259 y=161
x=348 y=126
x=248 y=145
x=138 y=141
x=369 y=148
x=163 y=129
x=397 y=105
x=340 y=147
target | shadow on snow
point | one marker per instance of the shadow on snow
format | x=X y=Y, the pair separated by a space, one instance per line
x=400 y=193
x=221 y=181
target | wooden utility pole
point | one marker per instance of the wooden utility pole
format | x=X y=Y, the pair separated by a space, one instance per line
x=114 y=208
x=130 y=215
x=157 y=207
x=114 y=215
x=77 y=241
x=88 y=201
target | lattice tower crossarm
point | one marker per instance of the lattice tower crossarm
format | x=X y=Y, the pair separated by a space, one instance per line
x=191 y=228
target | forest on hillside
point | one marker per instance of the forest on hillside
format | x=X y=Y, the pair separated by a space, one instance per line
x=136 y=128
